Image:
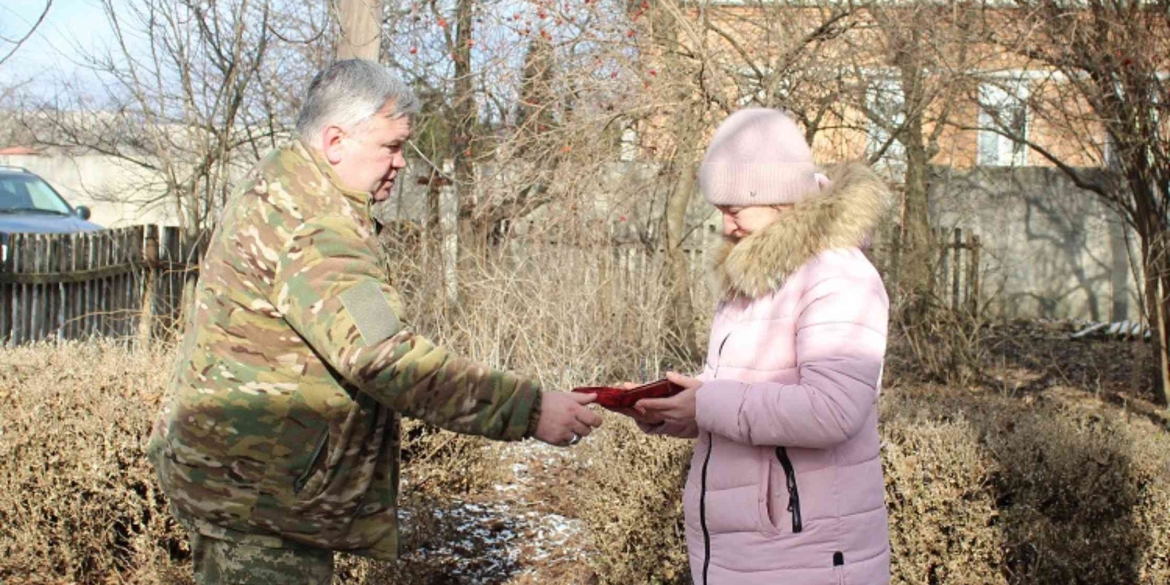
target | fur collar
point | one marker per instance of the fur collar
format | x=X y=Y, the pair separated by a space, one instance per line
x=843 y=216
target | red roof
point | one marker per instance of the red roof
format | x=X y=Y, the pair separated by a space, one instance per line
x=17 y=150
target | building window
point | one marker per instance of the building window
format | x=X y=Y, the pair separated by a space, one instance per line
x=1003 y=116
x=886 y=110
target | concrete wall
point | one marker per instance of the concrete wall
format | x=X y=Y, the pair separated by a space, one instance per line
x=1051 y=250
x=118 y=193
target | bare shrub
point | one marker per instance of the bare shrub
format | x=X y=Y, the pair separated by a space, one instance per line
x=939 y=507
x=630 y=497
x=1056 y=488
x=78 y=499
x=1082 y=496
x=568 y=315
x=441 y=462
x=938 y=344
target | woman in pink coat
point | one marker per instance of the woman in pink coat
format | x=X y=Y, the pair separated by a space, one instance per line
x=785 y=484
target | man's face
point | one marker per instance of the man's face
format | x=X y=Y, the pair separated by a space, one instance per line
x=369 y=156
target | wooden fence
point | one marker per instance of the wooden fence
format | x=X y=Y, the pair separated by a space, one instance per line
x=130 y=282
x=955 y=270
x=118 y=283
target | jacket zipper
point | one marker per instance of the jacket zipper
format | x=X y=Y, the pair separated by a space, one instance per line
x=703 y=483
x=303 y=478
x=793 y=492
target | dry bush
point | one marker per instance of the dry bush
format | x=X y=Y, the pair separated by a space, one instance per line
x=939 y=507
x=78 y=499
x=441 y=462
x=1083 y=495
x=571 y=317
x=1052 y=489
x=934 y=343
x=567 y=315
x=630 y=497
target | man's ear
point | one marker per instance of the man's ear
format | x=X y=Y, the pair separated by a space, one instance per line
x=332 y=138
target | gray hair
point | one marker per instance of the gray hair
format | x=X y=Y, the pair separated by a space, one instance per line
x=349 y=93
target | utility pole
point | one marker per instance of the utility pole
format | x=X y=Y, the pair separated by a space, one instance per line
x=361 y=29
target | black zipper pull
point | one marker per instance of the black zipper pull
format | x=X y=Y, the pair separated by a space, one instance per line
x=793 y=491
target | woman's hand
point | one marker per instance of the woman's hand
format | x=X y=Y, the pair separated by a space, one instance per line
x=677 y=409
x=640 y=417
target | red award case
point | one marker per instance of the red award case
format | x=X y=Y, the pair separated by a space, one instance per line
x=611 y=397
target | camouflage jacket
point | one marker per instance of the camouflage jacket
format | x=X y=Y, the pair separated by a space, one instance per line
x=282 y=418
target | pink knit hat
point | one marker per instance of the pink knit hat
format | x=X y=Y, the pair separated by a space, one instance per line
x=758 y=157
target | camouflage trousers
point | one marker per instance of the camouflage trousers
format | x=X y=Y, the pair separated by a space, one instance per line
x=222 y=556
x=222 y=562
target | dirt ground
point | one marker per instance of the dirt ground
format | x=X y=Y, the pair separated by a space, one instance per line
x=521 y=532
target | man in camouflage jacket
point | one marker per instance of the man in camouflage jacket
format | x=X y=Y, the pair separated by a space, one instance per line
x=279 y=443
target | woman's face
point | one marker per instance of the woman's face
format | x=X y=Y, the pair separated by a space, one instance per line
x=739 y=222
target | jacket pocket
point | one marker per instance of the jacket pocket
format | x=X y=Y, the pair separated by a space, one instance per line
x=792 y=487
x=315 y=464
x=770 y=514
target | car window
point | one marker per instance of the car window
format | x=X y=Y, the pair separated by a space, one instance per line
x=29 y=194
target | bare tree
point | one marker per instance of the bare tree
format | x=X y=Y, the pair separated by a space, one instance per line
x=1099 y=91
x=14 y=44
x=192 y=95
x=910 y=68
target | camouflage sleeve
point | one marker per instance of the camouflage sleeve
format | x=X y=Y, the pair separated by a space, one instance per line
x=330 y=288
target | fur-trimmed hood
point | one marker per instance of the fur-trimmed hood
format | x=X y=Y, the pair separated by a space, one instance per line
x=843 y=216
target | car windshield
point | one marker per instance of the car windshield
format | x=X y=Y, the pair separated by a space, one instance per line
x=29 y=194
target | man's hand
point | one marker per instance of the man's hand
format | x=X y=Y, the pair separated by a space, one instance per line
x=564 y=420
x=677 y=409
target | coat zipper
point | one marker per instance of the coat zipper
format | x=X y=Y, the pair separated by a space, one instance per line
x=303 y=478
x=703 y=512
x=703 y=483
x=793 y=492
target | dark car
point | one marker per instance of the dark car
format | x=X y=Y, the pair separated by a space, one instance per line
x=29 y=205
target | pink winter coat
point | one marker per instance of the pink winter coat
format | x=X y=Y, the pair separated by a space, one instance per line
x=785 y=484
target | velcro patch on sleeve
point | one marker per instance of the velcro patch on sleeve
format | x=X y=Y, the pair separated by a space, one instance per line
x=371 y=312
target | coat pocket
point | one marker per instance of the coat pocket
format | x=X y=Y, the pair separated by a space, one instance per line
x=316 y=463
x=781 y=506
x=792 y=487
